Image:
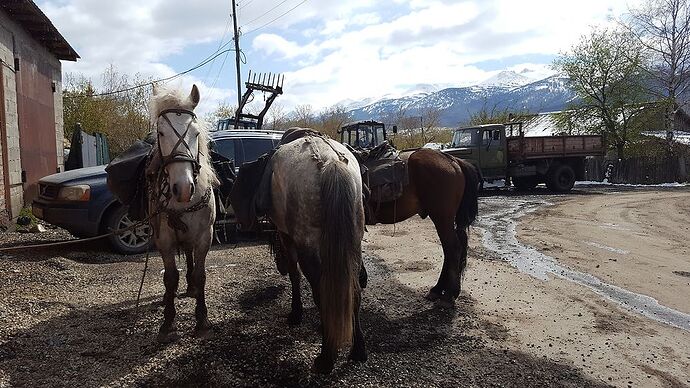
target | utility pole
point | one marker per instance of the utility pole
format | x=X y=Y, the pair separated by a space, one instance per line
x=237 y=59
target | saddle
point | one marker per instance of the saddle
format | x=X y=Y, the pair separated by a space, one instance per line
x=384 y=176
x=126 y=177
x=251 y=194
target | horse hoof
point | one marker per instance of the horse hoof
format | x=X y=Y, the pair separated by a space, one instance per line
x=358 y=355
x=167 y=337
x=294 y=318
x=203 y=333
x=432 y=296
x=445 y=303
x=190 y=293
x=322 y=366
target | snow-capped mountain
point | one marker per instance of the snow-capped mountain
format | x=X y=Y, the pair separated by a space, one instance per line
x=506 y=90
x=507 y=79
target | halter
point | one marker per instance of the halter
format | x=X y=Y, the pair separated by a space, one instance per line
x=176 y=155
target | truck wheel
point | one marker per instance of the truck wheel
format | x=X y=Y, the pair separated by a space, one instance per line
x=129 y=242
x=561 y=179
x=526 y=183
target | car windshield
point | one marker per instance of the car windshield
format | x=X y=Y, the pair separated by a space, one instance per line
x=462 y=138
x=225 y=147
x=253 y=148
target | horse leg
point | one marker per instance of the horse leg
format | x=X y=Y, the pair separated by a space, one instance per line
x=191 y=287
x=311 y=269
x=203 y=326
x=289 y=263
x=171 y=277
x=363 y=277
x=448 y=285
x=359 y=351
x=295 y=316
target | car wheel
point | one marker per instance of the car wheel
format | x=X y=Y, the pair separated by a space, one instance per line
x=132 y=241
x=561 y=179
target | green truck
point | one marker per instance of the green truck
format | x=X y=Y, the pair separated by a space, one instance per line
x=502 y=151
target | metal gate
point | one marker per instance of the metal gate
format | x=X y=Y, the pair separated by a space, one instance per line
x=36 y=112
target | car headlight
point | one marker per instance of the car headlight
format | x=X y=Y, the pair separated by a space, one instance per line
x=75 y=193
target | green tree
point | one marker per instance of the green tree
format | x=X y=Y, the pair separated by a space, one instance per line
x=604 y=71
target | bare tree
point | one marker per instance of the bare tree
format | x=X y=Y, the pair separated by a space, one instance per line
x=662 y=27
x=119 y=110
x=303 y=116
x=332 y=119
x=222 y=111
x=277 y=118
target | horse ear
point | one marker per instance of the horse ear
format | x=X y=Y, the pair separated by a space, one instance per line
x=194 y=96
x=156 y=88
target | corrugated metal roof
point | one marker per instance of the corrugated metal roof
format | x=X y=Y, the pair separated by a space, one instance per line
x=37 y=24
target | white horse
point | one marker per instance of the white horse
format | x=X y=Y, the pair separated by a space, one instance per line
x=180 y=180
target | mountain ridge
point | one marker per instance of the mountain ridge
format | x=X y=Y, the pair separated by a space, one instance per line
x=505 y=90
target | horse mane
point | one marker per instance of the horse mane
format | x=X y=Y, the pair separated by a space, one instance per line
x=170 y=98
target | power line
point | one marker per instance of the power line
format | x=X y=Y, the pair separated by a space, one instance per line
x=201 y=64
x=246 y=4
x=220 y=44
x=265 y=13
x=271 y=22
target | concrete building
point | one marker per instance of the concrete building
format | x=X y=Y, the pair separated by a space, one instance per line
x=31 y=125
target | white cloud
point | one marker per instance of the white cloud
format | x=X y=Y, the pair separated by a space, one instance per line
x=330 y=50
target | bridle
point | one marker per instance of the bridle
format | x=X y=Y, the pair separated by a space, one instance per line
x=178 y=155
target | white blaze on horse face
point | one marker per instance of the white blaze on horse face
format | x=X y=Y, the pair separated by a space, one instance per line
x=181 y=174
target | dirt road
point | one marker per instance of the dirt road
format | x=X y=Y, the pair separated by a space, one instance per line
x=67 y=318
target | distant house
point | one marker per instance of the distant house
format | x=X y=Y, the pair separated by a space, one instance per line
x=31 y=132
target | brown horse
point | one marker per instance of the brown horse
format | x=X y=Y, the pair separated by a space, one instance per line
x=443 y=188
x=316 y=205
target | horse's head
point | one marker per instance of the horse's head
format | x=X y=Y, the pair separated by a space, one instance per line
x=178 y=139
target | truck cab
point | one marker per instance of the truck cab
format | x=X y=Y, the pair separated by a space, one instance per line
x=484 y=146
x=364 y=134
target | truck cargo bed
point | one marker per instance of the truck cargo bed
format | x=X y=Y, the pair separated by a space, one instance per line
x=520 y=148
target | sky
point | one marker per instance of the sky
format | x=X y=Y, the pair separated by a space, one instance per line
x=330 y=51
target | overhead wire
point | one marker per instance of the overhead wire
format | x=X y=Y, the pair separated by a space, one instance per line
x=275 y=19
x=246 y=4
x=165 y=79
x=265 y=13
x=220 y=44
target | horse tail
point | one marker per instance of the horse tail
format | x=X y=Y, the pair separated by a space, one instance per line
x=469 y=206
x=340 y=252
x=468 y=209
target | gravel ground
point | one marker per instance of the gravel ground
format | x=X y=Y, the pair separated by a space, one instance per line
x=69 y=319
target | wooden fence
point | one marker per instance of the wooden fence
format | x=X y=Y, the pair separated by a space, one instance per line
x=639 y=170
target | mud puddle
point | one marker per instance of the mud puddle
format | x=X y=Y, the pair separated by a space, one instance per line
x=497 y=222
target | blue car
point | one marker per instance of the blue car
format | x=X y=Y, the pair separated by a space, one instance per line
x=80 y=201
